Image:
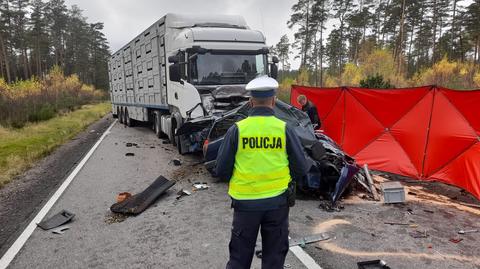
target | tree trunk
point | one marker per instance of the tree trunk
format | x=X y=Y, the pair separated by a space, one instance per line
x=5 y=58
x=321 y=54
x=452 y=42
x=399 y=46
x=434 y=31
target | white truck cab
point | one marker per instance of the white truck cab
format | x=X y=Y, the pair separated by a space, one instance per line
x=184 y=67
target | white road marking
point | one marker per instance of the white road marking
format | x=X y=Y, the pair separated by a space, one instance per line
x=308 y=261
x=18 y=244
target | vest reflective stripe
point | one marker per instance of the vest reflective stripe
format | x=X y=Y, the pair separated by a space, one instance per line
x=261 y=162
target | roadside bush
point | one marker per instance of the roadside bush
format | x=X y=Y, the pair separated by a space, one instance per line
x=450 y=74
x=375 y=82
x=37 y=100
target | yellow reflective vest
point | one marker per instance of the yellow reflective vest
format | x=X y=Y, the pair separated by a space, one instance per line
x=261 y=163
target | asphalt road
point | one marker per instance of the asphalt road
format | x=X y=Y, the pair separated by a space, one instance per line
x=193 y=231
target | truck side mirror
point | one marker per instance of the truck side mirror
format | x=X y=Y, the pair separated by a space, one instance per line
x=273 y=70
x=175 y=72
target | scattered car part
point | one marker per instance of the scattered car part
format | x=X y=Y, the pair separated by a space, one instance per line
x=176 y=162
x=456 y=240
x=182 y=193
x=346 y=177
x=128 y=145
x=123 y=196
x=60 y=230
x=56 y=220
x=370 y=182
x=258 y=253
x=374 y=264
x=137 y=203
x=129 y=154
x=308 y=240
x=419 y=234
x=468 y=231
x=200 y=186
x=393 y=192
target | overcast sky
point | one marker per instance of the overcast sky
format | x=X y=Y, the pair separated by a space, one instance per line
x=124 y=19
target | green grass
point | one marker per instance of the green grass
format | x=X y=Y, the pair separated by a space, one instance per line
x=21 y=148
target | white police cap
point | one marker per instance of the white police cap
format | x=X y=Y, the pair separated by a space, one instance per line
x=262 y=87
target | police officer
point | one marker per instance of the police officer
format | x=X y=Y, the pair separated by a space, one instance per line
x=260 y=155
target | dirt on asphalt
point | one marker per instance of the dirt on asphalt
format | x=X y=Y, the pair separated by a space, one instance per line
x=27 y=193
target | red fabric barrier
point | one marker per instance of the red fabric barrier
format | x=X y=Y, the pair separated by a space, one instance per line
x=428 y=133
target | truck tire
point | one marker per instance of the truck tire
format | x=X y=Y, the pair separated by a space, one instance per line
x=156 y=125
x=120 y=116
x=128 y=120
x=173 y=138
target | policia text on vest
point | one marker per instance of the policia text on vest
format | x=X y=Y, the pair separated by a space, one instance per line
x=262 y=142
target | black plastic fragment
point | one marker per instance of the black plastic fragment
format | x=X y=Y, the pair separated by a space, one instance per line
x=129 y=145
x=56 y=220
x=176 y=162
x=129 y=154
x=374 y=264
x=137 y=203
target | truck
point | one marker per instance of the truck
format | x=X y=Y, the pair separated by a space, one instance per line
x=186 y=68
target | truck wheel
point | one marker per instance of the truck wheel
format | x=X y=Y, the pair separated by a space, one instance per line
x=128 y=120
x=120 y=116
x=173 y=138
x=156 y=125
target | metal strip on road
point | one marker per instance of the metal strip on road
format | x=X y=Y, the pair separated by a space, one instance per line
x=22 y=239
x=308 y=261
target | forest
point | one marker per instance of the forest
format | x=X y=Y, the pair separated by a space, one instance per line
x=36 y=35
x=403 y=42
x=51 y=60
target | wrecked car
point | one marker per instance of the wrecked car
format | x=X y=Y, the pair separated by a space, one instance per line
x=331 y=171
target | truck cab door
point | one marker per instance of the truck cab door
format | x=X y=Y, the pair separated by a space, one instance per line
x=181 y=94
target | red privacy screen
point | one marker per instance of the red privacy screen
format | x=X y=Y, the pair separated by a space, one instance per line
x=428 y=133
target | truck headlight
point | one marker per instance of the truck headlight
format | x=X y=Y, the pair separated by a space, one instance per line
x=207 y=102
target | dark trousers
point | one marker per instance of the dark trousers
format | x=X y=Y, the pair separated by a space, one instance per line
x=273 y=226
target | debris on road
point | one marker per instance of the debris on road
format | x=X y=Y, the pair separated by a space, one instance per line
x=56 y=220
x=468 y=231
x=176 y=162
x=374 y=264
x=197 y=186
x=393 y=192
x=137 y=203
x=411 y=225
x=115 y=218
x=182 y=193
x=129 y=154
x=429 y=211
x=128 y=145
x=456 y=240
x=60 y=230
x=308 y=240
x=419 y=234
x=123 y=196
x=371 y=184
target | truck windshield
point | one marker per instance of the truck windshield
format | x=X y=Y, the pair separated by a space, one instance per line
x=211 y=69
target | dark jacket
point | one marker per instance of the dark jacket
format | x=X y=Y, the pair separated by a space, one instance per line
x=226 y=160
x=312 y=113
